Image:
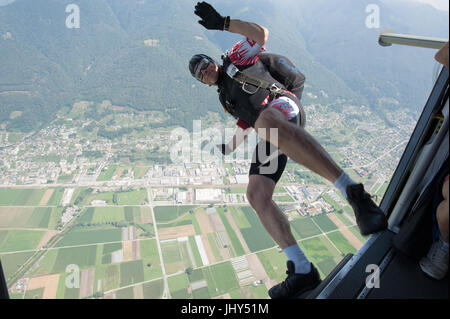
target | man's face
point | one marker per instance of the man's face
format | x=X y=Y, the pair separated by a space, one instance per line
x=210 y=74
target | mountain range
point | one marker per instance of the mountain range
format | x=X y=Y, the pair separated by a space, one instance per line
x=135 y=53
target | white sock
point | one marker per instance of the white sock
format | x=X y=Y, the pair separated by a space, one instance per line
x=342 y=182
x=295 y=254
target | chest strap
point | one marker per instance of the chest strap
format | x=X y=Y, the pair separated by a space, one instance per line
x=242 y=78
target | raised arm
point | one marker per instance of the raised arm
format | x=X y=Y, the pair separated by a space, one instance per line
x=253 y=31
x=212 y=20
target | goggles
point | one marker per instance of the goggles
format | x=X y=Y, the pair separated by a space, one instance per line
x=202 y=65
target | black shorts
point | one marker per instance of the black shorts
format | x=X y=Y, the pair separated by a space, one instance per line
x=265 y=160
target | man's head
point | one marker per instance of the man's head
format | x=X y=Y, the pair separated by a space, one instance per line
x=204 y=69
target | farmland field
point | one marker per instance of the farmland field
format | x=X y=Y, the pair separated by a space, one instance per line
x=81 y=256
x=321 y=253
x=178 y=286
x=255 y=236
x=131 y=272
x=133 y=197
x=29 y=217
x=18 y=240
x=84 y=237
x=324 y=223
x=21 y=197
x=341 y=242
x=231 y=234
x=304 y=227
x=12 y=262
x=108 y=214
x=153 y=289
x=220 y=278
x=167 y=213
x=107 y=174
x=274 y=263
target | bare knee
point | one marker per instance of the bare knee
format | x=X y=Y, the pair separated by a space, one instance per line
x=268 y=118
x=272 y=118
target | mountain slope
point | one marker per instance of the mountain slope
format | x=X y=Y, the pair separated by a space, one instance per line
x=135 y=53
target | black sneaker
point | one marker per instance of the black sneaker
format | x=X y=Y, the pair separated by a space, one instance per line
x=369 y=217
x=295 y=284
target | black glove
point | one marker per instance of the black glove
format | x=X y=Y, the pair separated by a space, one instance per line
x=210 y=18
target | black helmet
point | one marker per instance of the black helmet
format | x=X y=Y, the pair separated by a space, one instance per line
x=195 y=60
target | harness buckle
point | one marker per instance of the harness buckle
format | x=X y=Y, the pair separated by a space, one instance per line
x=274 y=89
x=248 y=91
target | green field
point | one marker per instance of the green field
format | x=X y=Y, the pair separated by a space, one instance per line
x=80 y=256
x=173 y=261
x=20 y=197
x=108 y=214
x=12 y=262
x=132 y=214
x=341 y=242
x=125 y=197
x=126 y=293
x=107 y=174
x=131 y=272
x=34 y=294
x=344 y=219
x=239 y=250
x=321 y=253
x=109 y=276
x=18 y=240
x=239 y=217
x=46 y=263
x=220 y=278
x=255 y=236
x=108 y=249
x=304 y=227
x=139 y=171
x=105 y=196
x=238 y=190
x=56 y=197
x=153 y=289
x=187 y=219
x=201 y=293
x=30 y=217
x=324 y=223
x=178 y=286
x=196 y=253
x=133 y=197
x=213 y=245
x=165 y=214
x=195 y=275
x=85 y=237
x=150 y=258
x=274 y=262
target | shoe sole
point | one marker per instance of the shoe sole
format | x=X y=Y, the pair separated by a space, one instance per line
x=367 y=232
x=424 y=267
x=304 y=292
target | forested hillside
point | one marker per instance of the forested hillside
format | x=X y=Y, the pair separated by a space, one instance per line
x=135 y=53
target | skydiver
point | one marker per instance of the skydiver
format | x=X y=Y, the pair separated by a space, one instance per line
x=263 y=91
